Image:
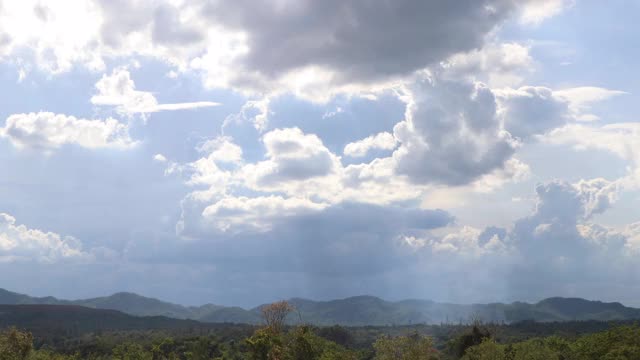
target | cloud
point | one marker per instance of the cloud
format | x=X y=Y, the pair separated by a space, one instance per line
x=20 y=243
x=312 y=238
x=159 y=158
x=394 y=248
x=207 y=213
x=205 y=171
x=256 y=213
x=451 y=134
x=286 y=200
x=620 y=139
x=53 y=41
x=299 y=174
x=380 y=141
x=570 y=203
x=118 y=89
x=535 y=12
x=356 y=42
x=558 y=241
x=254 y=111
x=632 y=233
x=300 y=169
x=348 y=47
x=242 y=198
x=554 y=250
x=539 y=255
x=466 y=243
x=292 y=156
x=47 y=131
x=222 y=150
x=497 y=64
x=170 y=30
x=530 y=111
x=581 y=98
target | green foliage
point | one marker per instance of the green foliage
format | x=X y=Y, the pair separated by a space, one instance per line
x=336 y=343
x=486 y=350
x=411 y=347
x=621 y=343
x=300 y=343
x=129 y=351
x=337 y=334
x=264 y=345
x=49 y=355
x=534 y=349
x=476 y=335
x=15 y=345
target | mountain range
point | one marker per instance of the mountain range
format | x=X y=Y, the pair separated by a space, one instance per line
x=353 y=311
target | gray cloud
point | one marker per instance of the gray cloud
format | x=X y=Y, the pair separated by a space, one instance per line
x=555 y=250
x=392 y=251
x=451 y=134
x=559 y=251
x=360 y=40
x=530 y=111
x=168 y=30
x=122 y=17
x=292 y=156
x=339 y=241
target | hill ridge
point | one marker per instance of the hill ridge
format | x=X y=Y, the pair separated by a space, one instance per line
x=354 y=310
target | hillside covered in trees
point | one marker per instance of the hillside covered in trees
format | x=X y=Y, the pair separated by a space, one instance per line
x=84 y=333
x=353 y=311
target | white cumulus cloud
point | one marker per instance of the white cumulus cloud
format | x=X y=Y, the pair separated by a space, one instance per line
x=47 y=131
x=360 y=148
x=20 y=243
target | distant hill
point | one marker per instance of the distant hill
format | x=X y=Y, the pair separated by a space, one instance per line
x=12 y=298
x=135 y=304
x=567 y=309
x=354 y=311
x=74 y=320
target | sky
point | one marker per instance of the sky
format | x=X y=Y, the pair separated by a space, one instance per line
x=240 y=152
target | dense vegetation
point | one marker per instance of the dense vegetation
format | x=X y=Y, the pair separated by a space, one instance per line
x=622 y=343
x=275 y=340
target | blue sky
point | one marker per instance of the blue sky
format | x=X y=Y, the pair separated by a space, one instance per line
x=239 y=152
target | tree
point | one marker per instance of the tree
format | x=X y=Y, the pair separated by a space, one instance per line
x=300 y=343
x=131 y=351
x=488 y=349
x=411 y=347
x=337 y=334
x=264 y=345
x=474 y=336
x=275 y=315
x=15 y=344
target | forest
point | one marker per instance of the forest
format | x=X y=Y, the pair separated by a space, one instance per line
x=275 y=339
